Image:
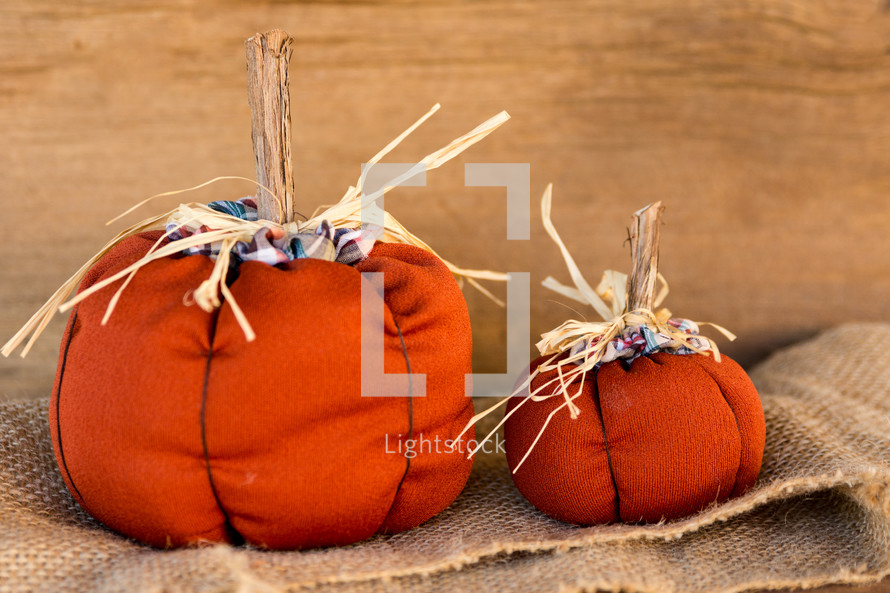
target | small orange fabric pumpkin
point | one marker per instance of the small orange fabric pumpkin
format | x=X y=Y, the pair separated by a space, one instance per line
x=660 y=439
x=634 y=419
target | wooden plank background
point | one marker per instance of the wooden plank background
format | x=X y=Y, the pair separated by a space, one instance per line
x=763 y=125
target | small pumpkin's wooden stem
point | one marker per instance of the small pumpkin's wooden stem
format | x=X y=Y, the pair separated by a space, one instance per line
x=644 y=249
x=268 y=55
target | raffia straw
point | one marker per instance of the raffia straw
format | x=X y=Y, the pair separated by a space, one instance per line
x=175 y=192
x=610 y=301
x=228 y=230
x=347 y=213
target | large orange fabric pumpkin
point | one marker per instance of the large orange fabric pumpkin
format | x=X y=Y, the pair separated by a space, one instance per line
x=659 y=439
x=223 y=399
x=171 y=428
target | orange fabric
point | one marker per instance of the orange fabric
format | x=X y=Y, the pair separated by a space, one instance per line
x=297 y=458
x=659 y=440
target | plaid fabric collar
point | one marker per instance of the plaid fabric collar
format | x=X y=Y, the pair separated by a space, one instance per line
x=274 y=246
x=638 y=341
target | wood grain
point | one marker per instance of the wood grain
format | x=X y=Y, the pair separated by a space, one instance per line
x=739 y=115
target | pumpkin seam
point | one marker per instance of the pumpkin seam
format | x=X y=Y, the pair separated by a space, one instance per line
x=410 y=434
x=230 y=529
x=738 y=428
x=599 y=410
x=58 y=408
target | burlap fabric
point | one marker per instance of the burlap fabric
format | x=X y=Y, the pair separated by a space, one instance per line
x=820 y=513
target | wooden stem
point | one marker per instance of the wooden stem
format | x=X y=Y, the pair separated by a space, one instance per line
x=644 y=249
x=268 y=55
